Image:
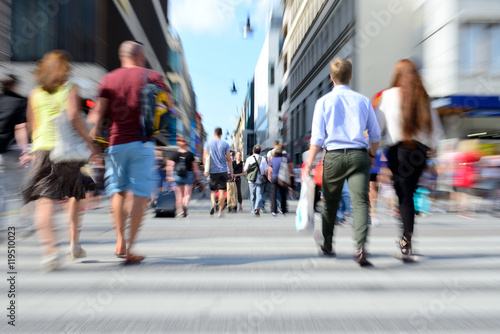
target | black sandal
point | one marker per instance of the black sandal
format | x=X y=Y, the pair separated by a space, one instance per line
x=405 y=246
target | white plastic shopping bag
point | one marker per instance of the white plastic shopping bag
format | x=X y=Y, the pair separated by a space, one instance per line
x=304 y=217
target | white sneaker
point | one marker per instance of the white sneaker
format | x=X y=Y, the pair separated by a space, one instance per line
x=49 y=263
x=77 y=252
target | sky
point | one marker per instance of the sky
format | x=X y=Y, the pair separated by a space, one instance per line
x=216 y=53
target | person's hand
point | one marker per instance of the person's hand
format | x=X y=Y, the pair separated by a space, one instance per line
x=205 y=173
x=93 y=147
x=24 y=159
x=372 y=160
x=170 y=179
x=307 y=170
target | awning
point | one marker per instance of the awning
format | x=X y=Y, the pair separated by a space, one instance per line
x=468 y=105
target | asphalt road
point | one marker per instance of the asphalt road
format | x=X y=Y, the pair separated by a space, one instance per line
x=241 y=274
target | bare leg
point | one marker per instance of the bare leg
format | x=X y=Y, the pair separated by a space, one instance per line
x=117 y=204
x=44 y=228
x=187 y=195
x=74 y=221
x=179 y=193
x=138 y=205
x=222 y=198
x=213 y=197
x=76 y=249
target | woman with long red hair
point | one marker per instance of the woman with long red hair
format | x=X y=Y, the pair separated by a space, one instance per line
x=411 y=130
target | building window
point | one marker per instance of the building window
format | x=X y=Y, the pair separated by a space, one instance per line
x=39 y=27
x=480 y=48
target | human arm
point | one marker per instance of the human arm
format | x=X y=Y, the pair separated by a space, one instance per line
x=170 y=170
x=21 y=133
x=205 y=152
x=318 y=133
x=270 y=170
x=196 y=170
x=312 y=153
x=96 y=115
x=374 y=130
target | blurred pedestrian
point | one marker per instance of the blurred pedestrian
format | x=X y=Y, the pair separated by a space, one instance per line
x=276 y=184
x=238 y=173
x=339 y=120
x=48 y=181
x=220 y=165
x=129 y=161
x=13 y=144
x=258 y=165
x=185 y=171
x=411 y=128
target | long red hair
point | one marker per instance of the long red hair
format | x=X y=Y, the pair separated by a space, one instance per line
x=415 y=104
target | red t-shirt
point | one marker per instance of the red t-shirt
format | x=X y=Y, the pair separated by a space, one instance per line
x=122 y=87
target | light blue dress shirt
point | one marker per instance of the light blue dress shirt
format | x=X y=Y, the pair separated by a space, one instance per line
x=339 y=119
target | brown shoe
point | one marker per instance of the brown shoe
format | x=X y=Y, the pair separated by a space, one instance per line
x=360 y=258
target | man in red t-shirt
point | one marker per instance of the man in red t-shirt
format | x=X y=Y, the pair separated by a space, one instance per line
x=129 y=161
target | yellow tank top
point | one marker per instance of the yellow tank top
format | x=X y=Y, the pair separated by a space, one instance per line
x=45 y=107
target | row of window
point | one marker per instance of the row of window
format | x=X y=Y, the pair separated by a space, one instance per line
x=479 y=48
x=304 y=22
x=338 y=21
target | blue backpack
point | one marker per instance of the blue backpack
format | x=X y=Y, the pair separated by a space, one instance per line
x=153 y=104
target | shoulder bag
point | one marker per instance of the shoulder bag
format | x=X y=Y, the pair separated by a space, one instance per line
x=70 y=146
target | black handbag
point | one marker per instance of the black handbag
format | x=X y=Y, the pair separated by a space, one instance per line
x=262 y=177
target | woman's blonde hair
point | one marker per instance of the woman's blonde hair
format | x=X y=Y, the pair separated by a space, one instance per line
x=53 y=70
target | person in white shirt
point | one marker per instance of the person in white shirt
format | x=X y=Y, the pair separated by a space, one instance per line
x=339 y=120
x=256 y=187
x=411 y=129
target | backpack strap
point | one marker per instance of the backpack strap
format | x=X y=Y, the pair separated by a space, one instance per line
x=258 y=164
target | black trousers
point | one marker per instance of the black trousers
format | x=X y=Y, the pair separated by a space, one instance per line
x=407 y=164
x=238 y=189
x=274 y=190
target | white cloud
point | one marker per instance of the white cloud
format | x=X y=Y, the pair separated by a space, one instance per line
x=202 y=15
x=214 y=16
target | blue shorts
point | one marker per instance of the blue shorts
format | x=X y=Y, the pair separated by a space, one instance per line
x=184 y=181
x=129 y=167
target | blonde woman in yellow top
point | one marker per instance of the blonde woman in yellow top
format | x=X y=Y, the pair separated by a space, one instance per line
x=49 y=182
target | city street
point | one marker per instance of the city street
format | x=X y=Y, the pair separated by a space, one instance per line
x=242 y=274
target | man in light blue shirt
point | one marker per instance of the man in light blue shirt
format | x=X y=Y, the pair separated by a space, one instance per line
x=339 y=121
x=220 y=165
